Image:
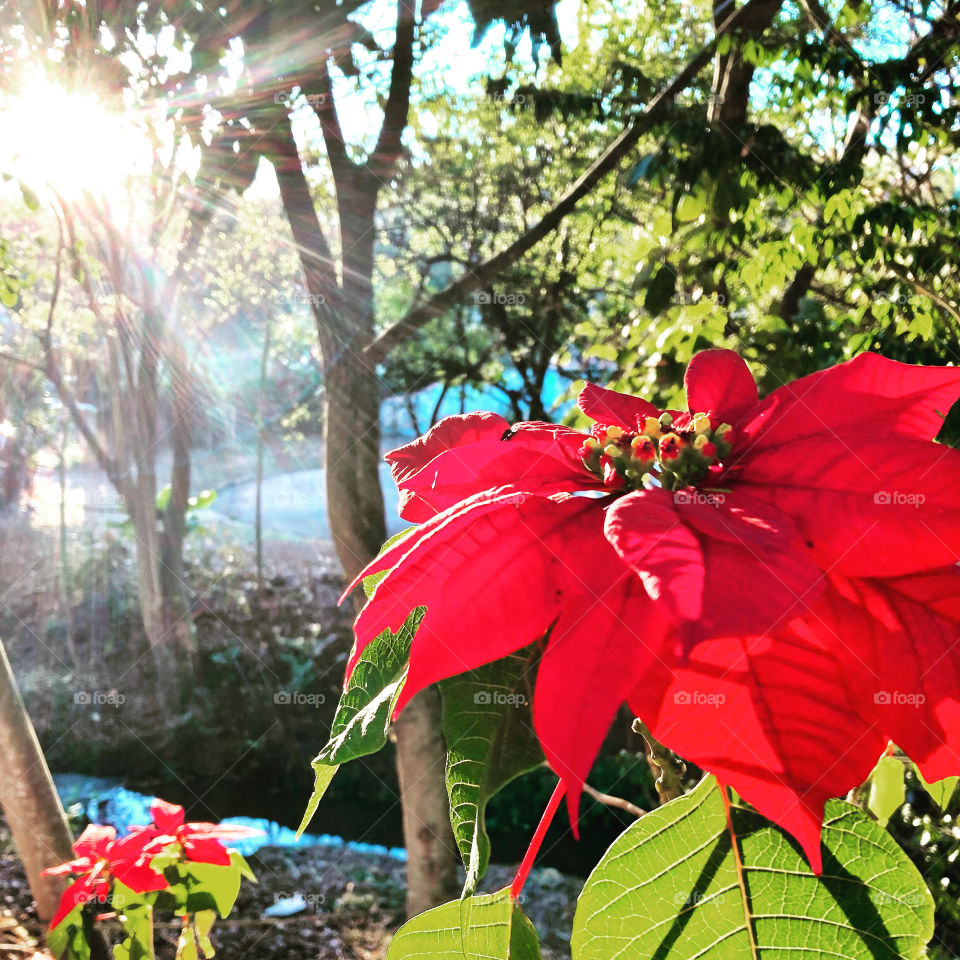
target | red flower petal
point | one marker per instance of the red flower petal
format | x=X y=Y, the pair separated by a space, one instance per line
x=529 y=461
x=772 y=718
x=870 y=394
x=222 y=831
x=719 y=382
x=81 y=865
x=598 y=651
x=724 y=565
x=522 y=554
x=865 y=507
x=448 y=433
x=206 y=850
x=646 y=532
x=79 y=892
x=907 y=665
x=488 y=453
x=615 y=409
x=93 y=841
x=167 y=816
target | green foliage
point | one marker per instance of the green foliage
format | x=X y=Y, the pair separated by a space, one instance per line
x=488 y=731
x=477 y=928
x=673 y=886
x=887 y=789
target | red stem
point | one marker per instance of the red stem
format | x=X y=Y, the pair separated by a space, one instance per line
x=527 y=865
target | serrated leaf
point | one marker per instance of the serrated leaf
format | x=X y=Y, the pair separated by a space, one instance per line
x=887 y=791
x=488 y=730
x=366 y=705
x=660 y=290
x=489 y=927
x=670 y=887
x=365 y=711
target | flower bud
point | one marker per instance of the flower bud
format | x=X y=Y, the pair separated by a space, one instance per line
x=651 y=427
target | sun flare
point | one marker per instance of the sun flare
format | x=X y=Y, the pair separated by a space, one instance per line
x=69 y=142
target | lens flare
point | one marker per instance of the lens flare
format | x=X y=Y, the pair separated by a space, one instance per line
x=69 y=141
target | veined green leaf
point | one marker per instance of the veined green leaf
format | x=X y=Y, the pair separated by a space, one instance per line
x=488 y=730
x=489 y=927
x=671 y=887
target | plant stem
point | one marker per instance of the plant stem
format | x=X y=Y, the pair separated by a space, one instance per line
x=525 y=867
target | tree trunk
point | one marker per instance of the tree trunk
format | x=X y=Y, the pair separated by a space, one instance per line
x=28 y=798
x=344 y=318
x=421 y=761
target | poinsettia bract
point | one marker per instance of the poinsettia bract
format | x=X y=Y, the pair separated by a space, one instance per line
x=772 y=585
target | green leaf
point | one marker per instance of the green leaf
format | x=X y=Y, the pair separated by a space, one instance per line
x=489 y=927
x=942 y=791
x=30 y=197
x=362 y=721
x=370 y=583
x=163 y=498
x=660 y=290
x=67 y=939
x=136 y=913
x=211 y=886
x=202 y=925
x=690 y=206
x=322 y=775
x=488 y=730
x=887 y=791
x=237 y=860
x=670 y=887
x=366 y=705
x=203 y=499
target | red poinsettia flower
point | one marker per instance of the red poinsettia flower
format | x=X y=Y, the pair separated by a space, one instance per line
x=772 y=585
x=200 y=842
x=100 y=857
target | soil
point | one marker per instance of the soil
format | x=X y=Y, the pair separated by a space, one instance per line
x=354 y=903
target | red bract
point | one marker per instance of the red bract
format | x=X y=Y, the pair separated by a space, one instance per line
x=771 y=585
x=100 y=857
x=200 y=842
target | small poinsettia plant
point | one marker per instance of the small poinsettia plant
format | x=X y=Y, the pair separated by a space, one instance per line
x=770 y=584
x=169 y=866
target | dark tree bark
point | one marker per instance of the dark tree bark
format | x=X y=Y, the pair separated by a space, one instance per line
x=344 y=314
